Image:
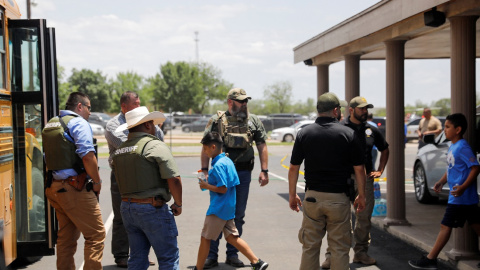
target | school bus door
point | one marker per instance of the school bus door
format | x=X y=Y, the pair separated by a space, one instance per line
x=34 y=100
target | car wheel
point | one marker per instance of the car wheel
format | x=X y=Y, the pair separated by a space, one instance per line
x=288 y=138
x=421 y=185
x=187 y=130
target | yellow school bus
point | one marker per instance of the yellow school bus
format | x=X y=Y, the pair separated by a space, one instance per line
x=28 y=98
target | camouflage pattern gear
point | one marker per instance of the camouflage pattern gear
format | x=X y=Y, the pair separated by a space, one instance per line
x=238 y=136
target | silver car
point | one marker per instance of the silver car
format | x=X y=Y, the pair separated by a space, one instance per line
x=97 y=129
x=429 y=167
x=288 y=134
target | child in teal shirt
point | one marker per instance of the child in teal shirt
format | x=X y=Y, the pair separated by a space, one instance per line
x=222 y=179
x=461 y=176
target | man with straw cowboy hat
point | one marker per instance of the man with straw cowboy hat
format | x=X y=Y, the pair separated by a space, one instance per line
x=148 y=178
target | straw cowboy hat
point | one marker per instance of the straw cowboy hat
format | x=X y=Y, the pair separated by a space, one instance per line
x=139 y=116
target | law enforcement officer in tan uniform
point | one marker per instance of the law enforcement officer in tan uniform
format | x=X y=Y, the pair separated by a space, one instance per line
x=148 y=178
x=239 y=129
x=428 y=125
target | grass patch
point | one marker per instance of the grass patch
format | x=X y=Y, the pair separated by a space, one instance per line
x=279 y=143
x=101 y=144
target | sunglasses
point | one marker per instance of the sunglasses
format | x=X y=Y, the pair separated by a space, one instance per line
x=88 y=107
x=242 y=101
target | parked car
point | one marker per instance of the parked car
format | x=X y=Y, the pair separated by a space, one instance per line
x=97 y=129
x=99 y=118
x=195 y=126
x=430 y=165
x=181 y=118
x=279 y=120
x=381 y=123
x=412 y=127
x=288 y=134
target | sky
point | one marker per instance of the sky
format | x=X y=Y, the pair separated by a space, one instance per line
x=250 y=41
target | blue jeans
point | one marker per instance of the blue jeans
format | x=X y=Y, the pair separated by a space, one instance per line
x=240 y=207
x=147 y=227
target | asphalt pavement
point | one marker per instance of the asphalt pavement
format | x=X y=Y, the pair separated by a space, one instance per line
x=271 y=228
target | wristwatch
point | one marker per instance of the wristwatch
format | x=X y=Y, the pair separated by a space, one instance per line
x=265 y=171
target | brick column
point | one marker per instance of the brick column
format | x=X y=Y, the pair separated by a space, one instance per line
x=395 y=58
x=322 y=79
x=352 y=76
x=462 y=38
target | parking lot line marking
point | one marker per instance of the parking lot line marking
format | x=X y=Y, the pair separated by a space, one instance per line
x=299 y=185
x=288 y=167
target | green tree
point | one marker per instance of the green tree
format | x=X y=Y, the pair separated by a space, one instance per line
x=182 y=86
x=442 y=107
x=176 y=87
x=63 y=87
x=95 y=85
x=305 y=108
x=280 y=93
x=214 y=87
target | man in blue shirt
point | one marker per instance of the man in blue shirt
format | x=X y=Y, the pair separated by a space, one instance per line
x=69 y=154
x=222 y=179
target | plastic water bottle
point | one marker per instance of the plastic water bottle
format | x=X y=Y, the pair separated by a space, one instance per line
x=377 y=194
x=380 y=208
x=201 y=175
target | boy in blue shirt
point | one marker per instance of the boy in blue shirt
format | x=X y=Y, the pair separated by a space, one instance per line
x=222 y=179
x=461 y=175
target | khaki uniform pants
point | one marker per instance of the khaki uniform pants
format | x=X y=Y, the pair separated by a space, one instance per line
x=77 y=212
x=330 y=213
x=363 y=220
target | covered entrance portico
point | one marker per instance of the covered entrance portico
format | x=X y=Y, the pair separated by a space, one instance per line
x=395 y=30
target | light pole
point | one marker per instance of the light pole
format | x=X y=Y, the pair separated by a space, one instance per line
x=196 y=45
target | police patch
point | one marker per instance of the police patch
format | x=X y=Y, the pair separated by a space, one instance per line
x=53 y=125
x=126 y=149
x=368 y=132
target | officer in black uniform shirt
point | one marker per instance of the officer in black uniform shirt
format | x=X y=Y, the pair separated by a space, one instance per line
x=330 y=150
x=369 y=136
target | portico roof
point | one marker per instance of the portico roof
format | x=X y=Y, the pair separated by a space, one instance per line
x=365 y=33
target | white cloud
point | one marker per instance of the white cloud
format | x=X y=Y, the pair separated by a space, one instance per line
x=250 y=41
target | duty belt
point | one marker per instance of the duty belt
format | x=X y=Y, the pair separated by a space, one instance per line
x=244 y=166
x=151 y=200
x=65 y=180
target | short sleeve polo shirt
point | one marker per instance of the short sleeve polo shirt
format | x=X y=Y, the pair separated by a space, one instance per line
x=329 y=150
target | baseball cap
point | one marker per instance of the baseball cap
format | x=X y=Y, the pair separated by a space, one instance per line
x=360 y=102
x=237 y=94
x=329 y=101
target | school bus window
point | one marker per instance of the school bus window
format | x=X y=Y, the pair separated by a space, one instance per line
x=24 y=59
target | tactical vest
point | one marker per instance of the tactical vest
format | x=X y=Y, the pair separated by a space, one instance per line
x=59 y=151
x=134 y=173
x=235 y=133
